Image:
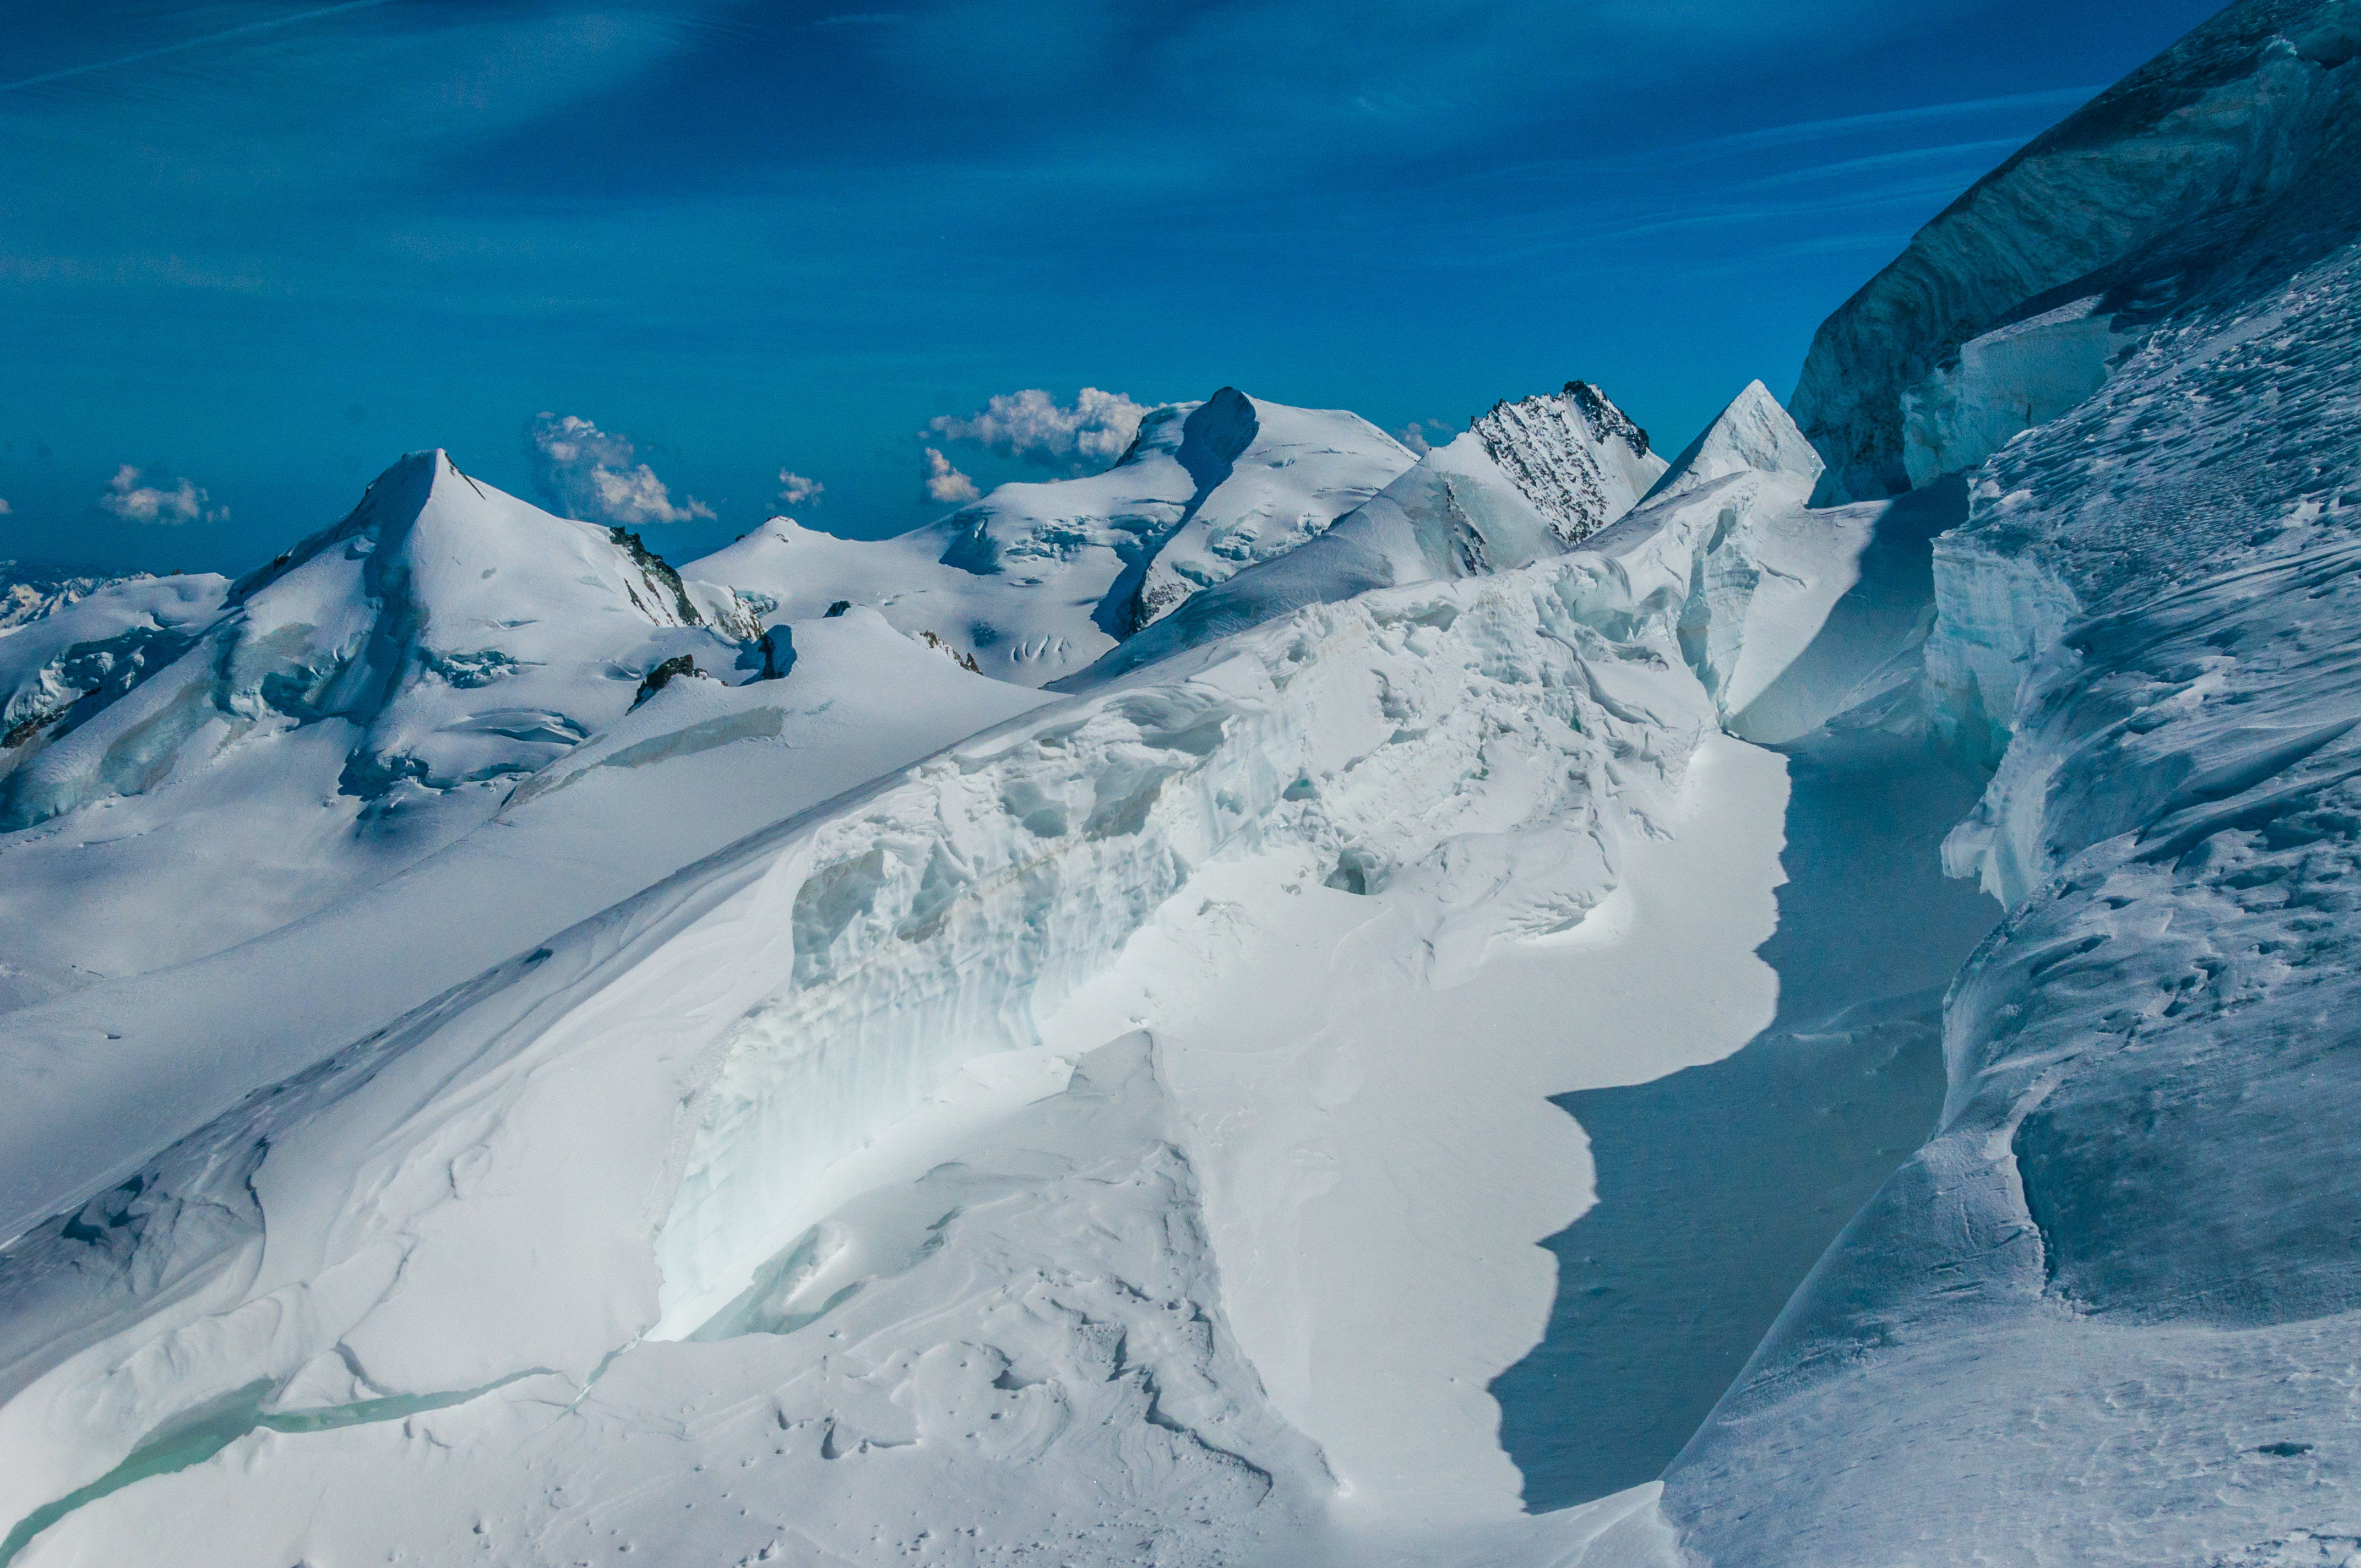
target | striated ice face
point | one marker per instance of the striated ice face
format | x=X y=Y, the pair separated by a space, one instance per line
x=2184 y=165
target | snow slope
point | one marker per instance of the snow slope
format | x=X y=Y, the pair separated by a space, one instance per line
x=1110 y=1125
x=1455 y=789
x=1037 y=580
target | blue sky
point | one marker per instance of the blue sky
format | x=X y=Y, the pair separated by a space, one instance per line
x=251 y=253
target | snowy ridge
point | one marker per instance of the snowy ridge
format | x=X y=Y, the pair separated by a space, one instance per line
x=1527 y=482
x=1112 y=1123
x=1037 y=580
x=1467 y=754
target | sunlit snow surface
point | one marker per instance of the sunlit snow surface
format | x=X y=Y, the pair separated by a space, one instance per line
x=524 y=1219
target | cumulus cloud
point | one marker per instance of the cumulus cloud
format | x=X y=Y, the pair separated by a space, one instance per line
x=129 y=498
x=1090 y=433
x=795 y=491
x=595 y=475
x=944 y=483
x=1414 y=434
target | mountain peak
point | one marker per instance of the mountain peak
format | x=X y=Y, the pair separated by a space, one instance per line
x=1754 y=434
x=1576 y=457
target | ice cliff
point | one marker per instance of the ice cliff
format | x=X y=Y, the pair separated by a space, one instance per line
x=2105 y=1315
x=2010 y=307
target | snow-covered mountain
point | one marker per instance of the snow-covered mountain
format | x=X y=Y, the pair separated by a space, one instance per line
x=836 y=1108
x=191 y=763
x=1528 y=479
x=1035 y=581
x=29 y=591
x=876 y=987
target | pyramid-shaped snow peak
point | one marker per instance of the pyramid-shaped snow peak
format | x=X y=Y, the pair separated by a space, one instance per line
x=1754 y=435
x=450 y=633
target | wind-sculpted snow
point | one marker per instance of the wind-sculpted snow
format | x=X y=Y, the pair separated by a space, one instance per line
x=2107 y=1314
x=1037 y=580
x=707 y=1108
x=625 y=1130
x=1072 y=1387
x=2131 y=201
x=2230 y=431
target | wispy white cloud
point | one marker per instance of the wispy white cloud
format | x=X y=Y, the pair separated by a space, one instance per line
x=1895 y=119
x=1090 y=433
x=180 y=46
x=944 y=484
x=130 y=498
x=5 y=508
x=1980 y=154
x=795 y=489
x=595 y=475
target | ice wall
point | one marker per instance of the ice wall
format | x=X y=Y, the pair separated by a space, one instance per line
x=2106 y=1314
x=2005 y=382
x=2176 y=159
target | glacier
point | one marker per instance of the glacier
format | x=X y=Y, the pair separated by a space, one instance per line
x=1289 y=1002
x=875 y=952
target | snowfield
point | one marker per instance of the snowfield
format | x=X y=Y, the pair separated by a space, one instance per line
x=1035 y=1042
